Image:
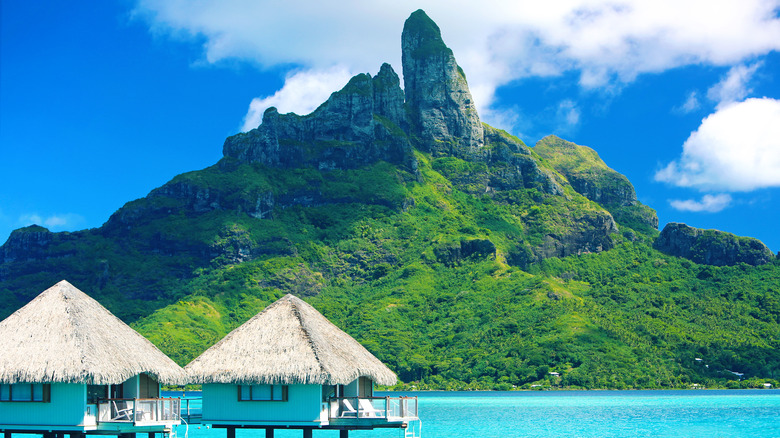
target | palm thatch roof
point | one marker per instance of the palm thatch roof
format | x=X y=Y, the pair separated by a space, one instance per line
x=289 y=342
x=63 y=335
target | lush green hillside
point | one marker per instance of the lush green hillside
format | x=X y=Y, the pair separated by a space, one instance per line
x=400 y=282
x=457 y=254
x=421 y=273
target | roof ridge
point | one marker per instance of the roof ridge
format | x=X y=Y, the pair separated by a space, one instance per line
x=307 y=334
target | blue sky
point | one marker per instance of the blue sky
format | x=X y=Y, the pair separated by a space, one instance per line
x=101 y=102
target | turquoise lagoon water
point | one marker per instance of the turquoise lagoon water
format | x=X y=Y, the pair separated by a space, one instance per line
x=693 y=413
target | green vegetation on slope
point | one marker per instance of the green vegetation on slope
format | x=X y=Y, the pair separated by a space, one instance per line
x=434 y=274
x=399 y=281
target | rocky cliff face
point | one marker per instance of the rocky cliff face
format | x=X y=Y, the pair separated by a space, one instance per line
x=589 y=234
x=711 y=247
x=358 y=125
x=442 y=113
x=26 y=243
x=513 y=166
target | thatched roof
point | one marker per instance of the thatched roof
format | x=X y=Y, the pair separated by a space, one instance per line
x=288 y=342
x=63 y=335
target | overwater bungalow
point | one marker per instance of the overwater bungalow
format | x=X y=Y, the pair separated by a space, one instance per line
x=69 y=366
x=288 y=367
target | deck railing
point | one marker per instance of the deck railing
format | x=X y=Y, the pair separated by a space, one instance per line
x=139 y=410
x=372 y=407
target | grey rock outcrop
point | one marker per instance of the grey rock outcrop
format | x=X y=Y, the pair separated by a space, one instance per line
x=451 y=254
x=513 y=165
x=234 y=245
x=442 y=113
x=358 y=125
x=26 y=243
x=711 y=247
x=503 y=164
x=591 y=233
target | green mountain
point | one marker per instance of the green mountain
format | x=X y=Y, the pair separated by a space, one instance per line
x=457 y=254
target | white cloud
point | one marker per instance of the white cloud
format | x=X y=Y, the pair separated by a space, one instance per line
x=734 y=86
x=708 y=203
x=737 y=148
x=503 y=117
x=566 y=116
x=30 y=219
x=55 y=222
x=690 y=105
x=607 y=42
x=569 y=113
x=302 y=92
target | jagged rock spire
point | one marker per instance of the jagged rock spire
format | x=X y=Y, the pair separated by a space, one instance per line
x=442 y=113
x=360 y=124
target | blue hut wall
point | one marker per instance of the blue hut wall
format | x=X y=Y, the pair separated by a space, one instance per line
x=303 y=405
x=67 y=407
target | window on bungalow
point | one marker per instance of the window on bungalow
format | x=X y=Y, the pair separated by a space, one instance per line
x=25 y=392
x=96 y=393
x=328 y=391
x=262 y=392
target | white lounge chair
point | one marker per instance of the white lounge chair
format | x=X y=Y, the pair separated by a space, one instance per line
x=348 y=411
x=368 y=410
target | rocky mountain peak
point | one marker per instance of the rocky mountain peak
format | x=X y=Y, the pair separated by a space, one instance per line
x=25 y=242
x=442 y=113
x=359 y=124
